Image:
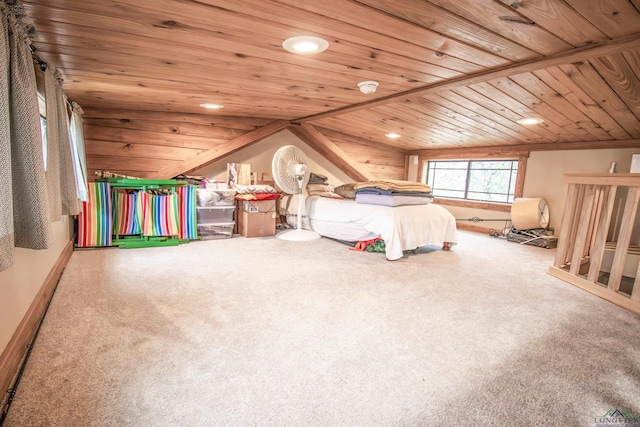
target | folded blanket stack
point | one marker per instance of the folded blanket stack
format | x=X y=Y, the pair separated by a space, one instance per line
x=393 y=193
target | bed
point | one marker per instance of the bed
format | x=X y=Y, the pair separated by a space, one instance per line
x=401 y=227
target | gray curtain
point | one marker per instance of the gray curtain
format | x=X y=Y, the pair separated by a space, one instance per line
x=68 y=190
x=63 y=195
x=31 y=226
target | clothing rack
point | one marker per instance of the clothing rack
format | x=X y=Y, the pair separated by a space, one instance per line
x=140 y=240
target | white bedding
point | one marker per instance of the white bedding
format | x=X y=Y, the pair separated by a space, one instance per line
x=401 y=227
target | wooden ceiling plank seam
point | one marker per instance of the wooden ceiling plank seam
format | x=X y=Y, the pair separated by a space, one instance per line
x=615 y=18
x=226 y=60
x=109 y=162
x=556 y=121
x=100 y=133
x=578 y=54
x=334 y=135
x=633 y=58
x=503 y=117
x=453 y=102
x=229 y=147
x=621 y=78
x=213 y=119
x=585 y=76
x=273 y=12
x=402 y=54
x=159 y=78
x=460 y=114
x=422 y=133
x=176 y=128
x=443 y=113
x=458 y=27
x=192 y=37
x=488 y=13
x=203 y=26
x=332 y=152
x=365 y=129
x=562 y=84
x=511 y=102
x=151 y=151
x=434 y=123
x=560 y=19
x=533 y=84
x=353 y=13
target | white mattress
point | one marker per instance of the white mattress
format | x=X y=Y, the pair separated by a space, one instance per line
x=401 y=227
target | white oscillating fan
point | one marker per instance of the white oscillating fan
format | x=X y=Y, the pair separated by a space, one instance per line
x=291 y=172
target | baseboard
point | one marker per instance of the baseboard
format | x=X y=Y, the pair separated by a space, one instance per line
x=16 y=350
x=471 y=227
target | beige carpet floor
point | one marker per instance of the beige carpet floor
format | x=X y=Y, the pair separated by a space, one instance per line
x=246 y=332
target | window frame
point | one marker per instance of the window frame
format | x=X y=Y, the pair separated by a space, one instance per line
x=494 y=206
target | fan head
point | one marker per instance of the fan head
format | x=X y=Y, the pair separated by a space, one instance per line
x=290 y=169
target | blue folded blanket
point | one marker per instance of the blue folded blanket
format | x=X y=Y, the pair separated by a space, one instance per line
x=378 y=191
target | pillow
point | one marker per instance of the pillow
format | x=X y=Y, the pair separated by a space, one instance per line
x=346 y=190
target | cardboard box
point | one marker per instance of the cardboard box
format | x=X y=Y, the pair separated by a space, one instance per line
x=257 y=218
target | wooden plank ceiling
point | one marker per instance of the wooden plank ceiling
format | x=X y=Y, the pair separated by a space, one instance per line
x=453 y=74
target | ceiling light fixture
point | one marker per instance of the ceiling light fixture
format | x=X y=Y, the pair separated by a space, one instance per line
x=212 y=106
x=392 y=135
x=368 y=86
x=305 y=44
x=530 y=121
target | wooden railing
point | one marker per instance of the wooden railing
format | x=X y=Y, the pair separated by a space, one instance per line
x=599 y=216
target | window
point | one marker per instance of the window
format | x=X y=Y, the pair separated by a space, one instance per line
x=477 y=180
x=43 y=131
x=42 y=107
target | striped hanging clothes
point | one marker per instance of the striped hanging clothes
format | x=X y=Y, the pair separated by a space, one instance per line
x=160 y=215
x=95 y=223
x=187 y=212
x=128 y=211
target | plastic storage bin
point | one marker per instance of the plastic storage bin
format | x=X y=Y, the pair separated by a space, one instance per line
x=215 y=231
x=206 y=197
x=214 y=214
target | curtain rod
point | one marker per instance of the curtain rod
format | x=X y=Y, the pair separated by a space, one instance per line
x=43 y=67
x=42 y=64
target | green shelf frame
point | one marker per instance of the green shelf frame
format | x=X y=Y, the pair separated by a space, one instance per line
x=140 y=241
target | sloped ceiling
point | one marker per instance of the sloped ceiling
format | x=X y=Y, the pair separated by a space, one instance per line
x=453 y=74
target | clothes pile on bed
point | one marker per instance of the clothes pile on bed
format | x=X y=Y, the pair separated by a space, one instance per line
x=393 y=193
x=318 y=186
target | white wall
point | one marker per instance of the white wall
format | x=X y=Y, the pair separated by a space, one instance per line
x=20 y=284
x=260 y=154
x=545 y=178
x=546 y=169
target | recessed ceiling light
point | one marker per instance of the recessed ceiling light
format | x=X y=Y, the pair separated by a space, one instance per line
x=530 y=121
x=212 y=106
x=368 y=86
x=305 y=44
x=392 y=135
